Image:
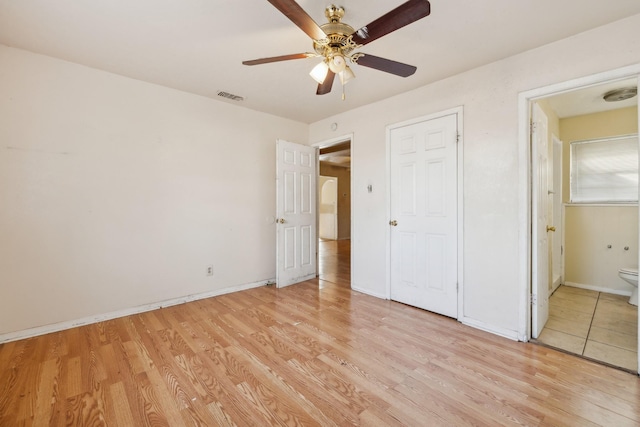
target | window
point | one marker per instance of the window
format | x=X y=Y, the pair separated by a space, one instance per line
x=605 y=170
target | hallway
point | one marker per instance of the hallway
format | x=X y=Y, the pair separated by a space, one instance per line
x=334 y=262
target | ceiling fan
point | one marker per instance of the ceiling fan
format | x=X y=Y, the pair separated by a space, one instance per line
x=335 y=41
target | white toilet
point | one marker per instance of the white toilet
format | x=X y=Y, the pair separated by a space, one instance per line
x=630 y=275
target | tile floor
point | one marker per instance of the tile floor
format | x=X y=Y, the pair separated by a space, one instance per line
x=593 y=324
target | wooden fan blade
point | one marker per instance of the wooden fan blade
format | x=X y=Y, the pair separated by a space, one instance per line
x=402 y=15
x=279 y=58
x=325 y=87
x=386 y=65
x=298 y=16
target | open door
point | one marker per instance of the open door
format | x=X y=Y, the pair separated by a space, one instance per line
x=296 y=212
x=540 y=195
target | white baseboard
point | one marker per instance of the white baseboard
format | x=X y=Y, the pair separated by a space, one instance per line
x=556 y=283
x=61 y=326
x=368 y=292
x=598 y=289
x=507 y=333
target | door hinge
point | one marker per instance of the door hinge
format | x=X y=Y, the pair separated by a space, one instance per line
x=532 y=126
x=533 y=299
x=457 y=138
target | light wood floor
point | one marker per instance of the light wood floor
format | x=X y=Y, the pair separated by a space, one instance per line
x=302 y=355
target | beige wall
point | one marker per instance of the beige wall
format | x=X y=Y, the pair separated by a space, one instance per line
x=589 y=230
x=344 y=197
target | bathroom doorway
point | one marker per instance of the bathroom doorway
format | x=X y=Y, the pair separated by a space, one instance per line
x=588 y=309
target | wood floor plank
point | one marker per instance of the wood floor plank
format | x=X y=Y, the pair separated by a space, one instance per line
x=289 y=405
x=315 y=353
x=332 y=395
x=27 y=386
x=220 y=417
x=119 y=403
x=45 y=395
x=226 y=405
x=170 y=402
x=86 y=409
x=151 y=411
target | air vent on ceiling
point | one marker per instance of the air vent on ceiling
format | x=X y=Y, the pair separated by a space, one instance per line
x=230 y=96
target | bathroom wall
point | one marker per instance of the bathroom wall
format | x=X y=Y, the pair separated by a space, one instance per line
x=590 y=229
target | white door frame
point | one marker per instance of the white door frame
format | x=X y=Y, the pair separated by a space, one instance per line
x=460 y=209
x=525 y=247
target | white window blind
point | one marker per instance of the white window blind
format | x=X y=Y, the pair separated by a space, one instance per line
x=605 y=170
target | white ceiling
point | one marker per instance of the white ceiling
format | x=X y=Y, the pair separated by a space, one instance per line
x=590 y=100
x=198 y=45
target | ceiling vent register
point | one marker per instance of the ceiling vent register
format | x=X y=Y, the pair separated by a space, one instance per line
x=230 y=96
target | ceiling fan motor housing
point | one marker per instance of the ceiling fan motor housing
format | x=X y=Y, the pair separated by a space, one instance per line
x=339 y=41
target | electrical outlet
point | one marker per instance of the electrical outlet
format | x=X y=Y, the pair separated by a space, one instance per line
x=210 y=270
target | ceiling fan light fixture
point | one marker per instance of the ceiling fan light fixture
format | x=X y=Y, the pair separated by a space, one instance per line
x=337 y=63
x=319 y=72
x=346 y=75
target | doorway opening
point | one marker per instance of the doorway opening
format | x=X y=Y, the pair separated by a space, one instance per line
x=334 y=211
x=583 y=244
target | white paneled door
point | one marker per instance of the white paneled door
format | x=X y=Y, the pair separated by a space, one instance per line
x=423 y=223
x=296 y=213
x=540 y=273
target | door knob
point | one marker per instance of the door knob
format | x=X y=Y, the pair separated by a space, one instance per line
x=551 y=228
x=281 y=220
x=393 y=223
